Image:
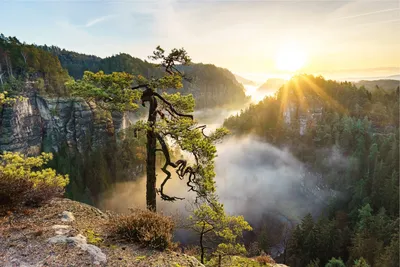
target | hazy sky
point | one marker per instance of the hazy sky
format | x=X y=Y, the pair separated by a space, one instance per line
x=244 y=36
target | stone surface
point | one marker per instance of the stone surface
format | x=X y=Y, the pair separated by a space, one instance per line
x=45 y=124
x=79 y=240
x=67 y=216
x=58 y=239
x=61 y=229
x=96 y=253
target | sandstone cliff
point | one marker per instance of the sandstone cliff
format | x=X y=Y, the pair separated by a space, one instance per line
x=38 y=124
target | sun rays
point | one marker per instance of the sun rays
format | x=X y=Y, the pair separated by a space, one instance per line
x=304 y=92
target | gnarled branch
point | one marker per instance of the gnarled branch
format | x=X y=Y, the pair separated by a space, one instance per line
x=167 y=163
x=172 y=107
x=181 y=171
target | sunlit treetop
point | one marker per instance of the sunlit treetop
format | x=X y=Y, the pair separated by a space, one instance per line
x=110 y=91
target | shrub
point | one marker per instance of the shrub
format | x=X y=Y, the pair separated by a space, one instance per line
x=24 y=183
x=361 y=262
x=147 y=228
x=264 y=259
x=335 y=263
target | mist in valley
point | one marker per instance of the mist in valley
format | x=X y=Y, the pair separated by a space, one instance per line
x=264 y=183
x=253 y=178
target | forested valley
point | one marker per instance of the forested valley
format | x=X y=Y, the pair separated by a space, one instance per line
x=313 y=117
x=323 y=155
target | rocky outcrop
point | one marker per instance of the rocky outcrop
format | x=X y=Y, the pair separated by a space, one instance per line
x=39 y=237
x=38 y=124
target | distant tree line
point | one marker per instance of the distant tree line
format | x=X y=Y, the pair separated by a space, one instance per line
x=20 y=62
x=210 y=85
x=47 y=68
x=77 y=63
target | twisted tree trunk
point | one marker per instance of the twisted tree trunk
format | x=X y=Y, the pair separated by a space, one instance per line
x=151 y=192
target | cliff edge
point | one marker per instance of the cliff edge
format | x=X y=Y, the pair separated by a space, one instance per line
x=68 y=233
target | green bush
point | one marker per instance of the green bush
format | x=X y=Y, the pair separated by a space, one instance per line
x=361 y=262
x=147 y=228
x=335 y=263
x=24 y=183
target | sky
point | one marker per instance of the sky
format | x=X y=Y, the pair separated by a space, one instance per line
x=336 y=37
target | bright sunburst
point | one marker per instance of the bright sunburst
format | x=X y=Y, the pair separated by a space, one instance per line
x=290 y=57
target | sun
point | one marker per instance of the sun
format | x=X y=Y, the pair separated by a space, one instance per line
x=290 y=57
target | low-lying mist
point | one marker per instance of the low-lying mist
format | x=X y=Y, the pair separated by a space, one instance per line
x=253 y=178
x=266 y=184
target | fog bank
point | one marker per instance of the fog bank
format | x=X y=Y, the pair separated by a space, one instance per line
x=253 y=178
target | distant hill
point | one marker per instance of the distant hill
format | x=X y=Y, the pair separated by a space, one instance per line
x=394 y=77
x=77 y=63
x=385 y=84
x=271 y=84
x=244 y=81
x=211 y=87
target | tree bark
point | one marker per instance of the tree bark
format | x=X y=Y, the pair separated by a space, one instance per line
x=151 y=157
x=202 y=246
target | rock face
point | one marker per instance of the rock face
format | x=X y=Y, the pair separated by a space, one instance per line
x=38 y=124
x=306 y=118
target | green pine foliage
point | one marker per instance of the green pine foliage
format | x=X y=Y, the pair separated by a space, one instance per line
x=214 y=226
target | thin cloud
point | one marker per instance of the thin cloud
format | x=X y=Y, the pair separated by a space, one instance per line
x=368 y=13
x=98 y=20
x=379 y=22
